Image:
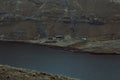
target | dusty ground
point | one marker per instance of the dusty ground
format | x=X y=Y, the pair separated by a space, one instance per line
x=12 y=73
x=101 y=47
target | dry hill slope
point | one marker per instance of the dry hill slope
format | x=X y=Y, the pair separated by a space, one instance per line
x=11 y=73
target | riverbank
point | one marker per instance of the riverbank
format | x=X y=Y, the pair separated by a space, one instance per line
x=109 y=47
x=97 y=47
x=12 y=73
x=100 y=47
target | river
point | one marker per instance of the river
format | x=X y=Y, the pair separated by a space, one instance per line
x=44 y=59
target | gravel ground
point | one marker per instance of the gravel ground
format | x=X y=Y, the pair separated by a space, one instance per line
x=110 y=46
x=12 y=73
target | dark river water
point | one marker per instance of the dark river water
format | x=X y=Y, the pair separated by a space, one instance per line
x=44 y=59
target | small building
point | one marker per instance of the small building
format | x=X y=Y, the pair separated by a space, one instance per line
x=84 y=39
x=59 y=37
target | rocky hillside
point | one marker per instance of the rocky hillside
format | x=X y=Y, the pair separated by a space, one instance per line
x=11 y=73
x=34 y=19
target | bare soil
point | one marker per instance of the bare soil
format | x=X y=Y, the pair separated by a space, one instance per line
x=12 y=73
x=38 y=19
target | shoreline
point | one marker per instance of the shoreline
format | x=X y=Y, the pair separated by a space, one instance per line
x=14 y=73
x=65 y=48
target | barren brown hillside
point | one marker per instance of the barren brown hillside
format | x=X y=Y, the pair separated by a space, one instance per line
x=27 y=19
